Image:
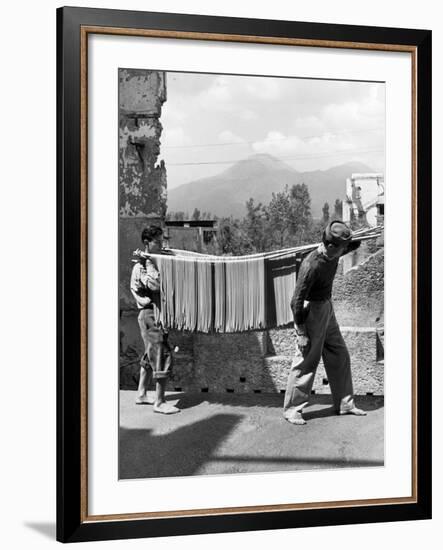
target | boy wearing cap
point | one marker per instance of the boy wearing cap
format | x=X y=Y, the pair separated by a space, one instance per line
x=318 y=333
x=156 y=361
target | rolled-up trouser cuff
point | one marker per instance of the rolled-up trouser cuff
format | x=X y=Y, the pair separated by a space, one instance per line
x=157 y=355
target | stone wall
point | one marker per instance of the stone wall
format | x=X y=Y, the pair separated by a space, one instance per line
x=255 y=361
x=359 y=293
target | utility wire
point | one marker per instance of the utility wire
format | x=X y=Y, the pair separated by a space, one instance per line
x=300 y=157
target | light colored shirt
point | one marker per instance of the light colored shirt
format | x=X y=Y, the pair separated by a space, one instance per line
x=145 y=279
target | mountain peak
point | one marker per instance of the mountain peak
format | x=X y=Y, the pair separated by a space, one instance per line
x=256 y=164
x=258 y=176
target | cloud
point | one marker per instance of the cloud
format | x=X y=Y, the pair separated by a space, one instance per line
x=367 y=113
x=294 y=147
x=247 y=115
x=315 y=121
x=226 y=136
x=175 y=137
x=308 y=125
x=188 y=84
x=264 y=88
x=218 y=96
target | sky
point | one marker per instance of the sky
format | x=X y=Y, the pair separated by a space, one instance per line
x=212 y=121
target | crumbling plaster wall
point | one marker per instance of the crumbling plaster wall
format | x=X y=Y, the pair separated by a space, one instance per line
x=142 y=177
x=142 y=181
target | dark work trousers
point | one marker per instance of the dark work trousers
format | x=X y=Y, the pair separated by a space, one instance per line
x=325 y=341
x=157 y=355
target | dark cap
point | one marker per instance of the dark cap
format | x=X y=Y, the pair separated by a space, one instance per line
x=337 y=233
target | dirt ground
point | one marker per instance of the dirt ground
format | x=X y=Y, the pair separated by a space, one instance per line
x=236 y=433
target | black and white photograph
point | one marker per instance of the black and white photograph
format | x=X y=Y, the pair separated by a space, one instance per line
x=231 y=334
x=251 y=273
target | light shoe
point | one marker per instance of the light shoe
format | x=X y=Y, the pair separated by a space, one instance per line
x=166 y=408
x=295 y=417
x=144 y=400
x=355 y=411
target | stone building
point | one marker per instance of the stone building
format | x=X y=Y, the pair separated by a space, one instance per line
x=364 y=206
x=194 y=235
x=365 y=199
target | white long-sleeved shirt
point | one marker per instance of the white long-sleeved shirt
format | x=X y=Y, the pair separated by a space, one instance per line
x=145 y=279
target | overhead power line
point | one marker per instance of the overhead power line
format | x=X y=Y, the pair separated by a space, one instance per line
x=300 y=157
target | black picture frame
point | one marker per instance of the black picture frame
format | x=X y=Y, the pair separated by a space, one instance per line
x=72 y=523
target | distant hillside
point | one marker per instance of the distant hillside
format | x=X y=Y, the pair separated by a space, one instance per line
x=259 y=176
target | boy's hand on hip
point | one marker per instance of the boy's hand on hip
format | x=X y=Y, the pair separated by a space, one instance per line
x=302 y=341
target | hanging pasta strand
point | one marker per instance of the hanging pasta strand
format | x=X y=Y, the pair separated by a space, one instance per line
x=220 y=296
x=168 y=291
x=282 y=280
x=254 y=293
x=204 y=296
x=234 y=306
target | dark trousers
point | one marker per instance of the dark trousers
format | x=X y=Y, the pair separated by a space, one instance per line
x=326 y=341
x=157 y=355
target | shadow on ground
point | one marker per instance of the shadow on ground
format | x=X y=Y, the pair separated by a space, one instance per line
x=368 y=403
x=189 y=400
x=242 y=433
x=178 y=453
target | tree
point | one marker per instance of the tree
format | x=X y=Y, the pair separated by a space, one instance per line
x=255 y=226
x=231 y=239
x=279 y=214
x=325 y=211
x=338 y=209
x=288 y=217
x=286 y=221
x=316 y=233
x=176 y=216
x=301 y=217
